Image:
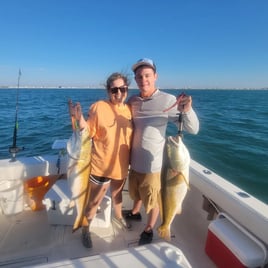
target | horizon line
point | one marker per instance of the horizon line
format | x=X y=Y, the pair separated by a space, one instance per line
x=178 y=88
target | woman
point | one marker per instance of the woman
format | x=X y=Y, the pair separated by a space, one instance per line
x=110 y=126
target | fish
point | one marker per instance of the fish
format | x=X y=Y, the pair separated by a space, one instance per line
x=174 y=183
x=78 y=171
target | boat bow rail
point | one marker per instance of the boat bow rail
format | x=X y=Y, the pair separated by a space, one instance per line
x=241 y=206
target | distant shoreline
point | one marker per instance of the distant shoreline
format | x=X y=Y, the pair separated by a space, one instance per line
x=94 y=88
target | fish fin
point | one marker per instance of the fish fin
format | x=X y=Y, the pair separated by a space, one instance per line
x=177 y=178
x=164 y=232
x=186 y=181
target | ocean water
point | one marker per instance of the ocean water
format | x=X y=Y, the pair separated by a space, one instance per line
x=232 y=141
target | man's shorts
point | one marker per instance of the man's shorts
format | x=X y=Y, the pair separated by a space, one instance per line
x=145 y=187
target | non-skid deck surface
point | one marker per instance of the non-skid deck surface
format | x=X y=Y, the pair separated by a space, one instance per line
x=27 y=238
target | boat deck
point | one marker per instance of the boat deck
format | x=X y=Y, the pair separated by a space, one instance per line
x=28 y=239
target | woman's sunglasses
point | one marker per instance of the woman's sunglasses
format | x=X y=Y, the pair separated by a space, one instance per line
x=114 y=90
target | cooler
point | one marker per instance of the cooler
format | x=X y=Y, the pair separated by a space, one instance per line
x=230 y=245
x=61 y=211
x=11 y=196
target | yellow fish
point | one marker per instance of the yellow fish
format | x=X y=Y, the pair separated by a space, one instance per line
x=78 y=171
x=174 y=183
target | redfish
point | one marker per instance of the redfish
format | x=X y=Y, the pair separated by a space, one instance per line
x=78 y=171
x=174 y=183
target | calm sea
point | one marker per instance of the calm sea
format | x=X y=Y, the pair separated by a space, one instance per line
x=233 y=137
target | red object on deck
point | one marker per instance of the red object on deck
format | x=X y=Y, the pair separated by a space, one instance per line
x=220 y=254
x=228 y=244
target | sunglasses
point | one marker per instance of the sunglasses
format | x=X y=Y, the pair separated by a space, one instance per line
x=114 y=90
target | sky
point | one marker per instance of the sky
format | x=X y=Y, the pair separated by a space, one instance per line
x=79 y=43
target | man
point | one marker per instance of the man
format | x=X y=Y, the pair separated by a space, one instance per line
x=150 y=117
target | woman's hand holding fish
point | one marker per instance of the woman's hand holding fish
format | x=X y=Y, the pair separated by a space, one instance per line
x=77 y=114
x=77 y=111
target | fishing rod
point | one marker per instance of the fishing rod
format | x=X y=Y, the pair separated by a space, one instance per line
x=180 y=120
x=14 y=149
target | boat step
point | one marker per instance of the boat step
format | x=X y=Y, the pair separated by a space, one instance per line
x=24 y=262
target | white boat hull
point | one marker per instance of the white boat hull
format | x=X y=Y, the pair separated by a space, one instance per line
x=189 y=234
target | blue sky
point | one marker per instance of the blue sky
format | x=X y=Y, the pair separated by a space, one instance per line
x=196 y=44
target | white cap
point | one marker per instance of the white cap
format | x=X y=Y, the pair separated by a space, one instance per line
x=144 y=62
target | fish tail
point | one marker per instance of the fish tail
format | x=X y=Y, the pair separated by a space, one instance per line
x=164 y=232
x=75 y=229
x=83 y=222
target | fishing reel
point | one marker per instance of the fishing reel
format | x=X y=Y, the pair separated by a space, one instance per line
x=13 y=150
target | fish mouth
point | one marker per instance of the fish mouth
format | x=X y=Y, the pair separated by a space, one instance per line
x=175 y=140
